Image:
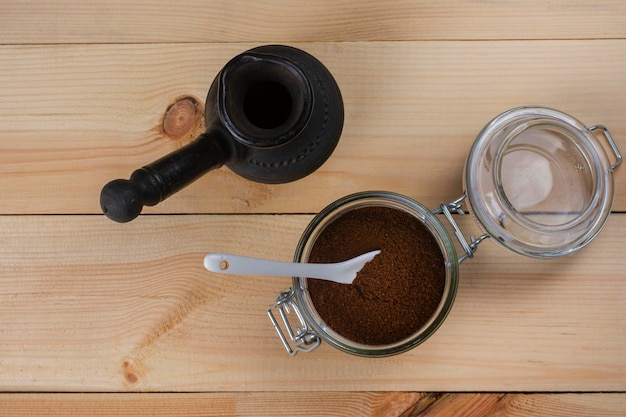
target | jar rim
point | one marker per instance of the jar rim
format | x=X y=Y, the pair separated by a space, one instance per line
x=384 y=199
x=539 y=182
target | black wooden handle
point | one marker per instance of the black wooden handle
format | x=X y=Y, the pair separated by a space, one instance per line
x=122 y=200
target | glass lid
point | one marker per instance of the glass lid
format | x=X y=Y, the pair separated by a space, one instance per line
x=539 y=181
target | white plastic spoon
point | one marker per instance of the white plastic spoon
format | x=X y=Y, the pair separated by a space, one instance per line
x=341 y=272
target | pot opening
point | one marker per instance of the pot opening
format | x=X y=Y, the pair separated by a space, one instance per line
x=267 y=104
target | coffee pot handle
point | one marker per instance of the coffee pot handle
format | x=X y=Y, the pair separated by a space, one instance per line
x=122 y=200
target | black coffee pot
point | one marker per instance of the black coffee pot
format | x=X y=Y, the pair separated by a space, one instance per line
x=274 y=114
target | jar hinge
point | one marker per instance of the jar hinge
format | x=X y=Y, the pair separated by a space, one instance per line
x=457 y=207
x=301 y=338
x=612 y=143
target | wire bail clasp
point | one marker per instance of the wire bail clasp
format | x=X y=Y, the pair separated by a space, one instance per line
x=457 y=207
x=612 y=144
x=299 y=338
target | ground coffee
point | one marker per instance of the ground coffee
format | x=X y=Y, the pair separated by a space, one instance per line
x=394 y=294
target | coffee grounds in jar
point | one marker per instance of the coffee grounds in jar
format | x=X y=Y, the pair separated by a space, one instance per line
x=394 y=294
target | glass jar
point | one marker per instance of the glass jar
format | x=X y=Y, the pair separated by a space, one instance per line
x=311 y=327
x=538 y=181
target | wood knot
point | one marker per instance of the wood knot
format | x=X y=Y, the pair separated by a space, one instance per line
x=182 y=118
x=130 y=372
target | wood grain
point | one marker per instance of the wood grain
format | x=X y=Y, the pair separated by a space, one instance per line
x=74 y=117
x=88 y=305
x=397 y=404
x=267 y=21
x=91 y=306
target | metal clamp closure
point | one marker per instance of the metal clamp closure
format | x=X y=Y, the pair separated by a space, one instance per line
x=612 y=144
x=457 y=207
x=301 y=338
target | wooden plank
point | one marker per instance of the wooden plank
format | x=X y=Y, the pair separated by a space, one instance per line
x=92 y=306
x=376 y=404
x=73 y=117
x=49 y=21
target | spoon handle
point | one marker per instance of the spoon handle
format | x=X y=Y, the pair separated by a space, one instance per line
x=234 y=264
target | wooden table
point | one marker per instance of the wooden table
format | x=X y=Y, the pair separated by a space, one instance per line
x=122 y=319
